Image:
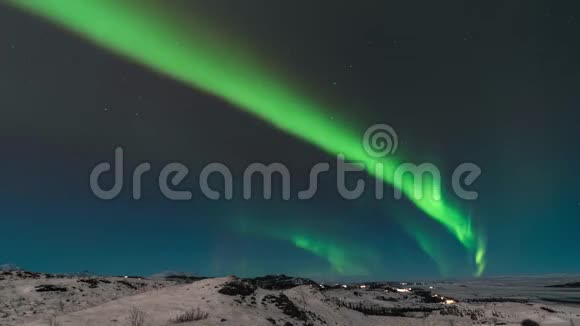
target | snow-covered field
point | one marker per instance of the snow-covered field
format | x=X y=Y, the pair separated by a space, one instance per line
x=37 y=299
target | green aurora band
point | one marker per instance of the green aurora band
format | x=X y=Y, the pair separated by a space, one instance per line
x=190 y=51
x=351 y=259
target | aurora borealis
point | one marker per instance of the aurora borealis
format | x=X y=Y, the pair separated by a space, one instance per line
x=160 y=45
x=188 y=47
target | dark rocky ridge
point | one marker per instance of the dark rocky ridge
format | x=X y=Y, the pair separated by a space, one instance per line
x=280 y=282
x=572 y=285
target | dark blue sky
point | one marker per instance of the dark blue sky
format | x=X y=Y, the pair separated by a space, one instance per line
x=488 y=82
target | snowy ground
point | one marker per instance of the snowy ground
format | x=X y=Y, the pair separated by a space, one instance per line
x=39 y=299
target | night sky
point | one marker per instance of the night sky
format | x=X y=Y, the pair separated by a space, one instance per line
x=496 y=83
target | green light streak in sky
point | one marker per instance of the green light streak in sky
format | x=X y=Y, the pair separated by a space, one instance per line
x=189 y=51
x=333 y=254
x=342 y=259
x=350 y=259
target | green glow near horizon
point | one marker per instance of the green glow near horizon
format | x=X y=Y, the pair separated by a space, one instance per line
x=190 y=52
x=333 y=254
x=342 y=260
x=351 y=259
